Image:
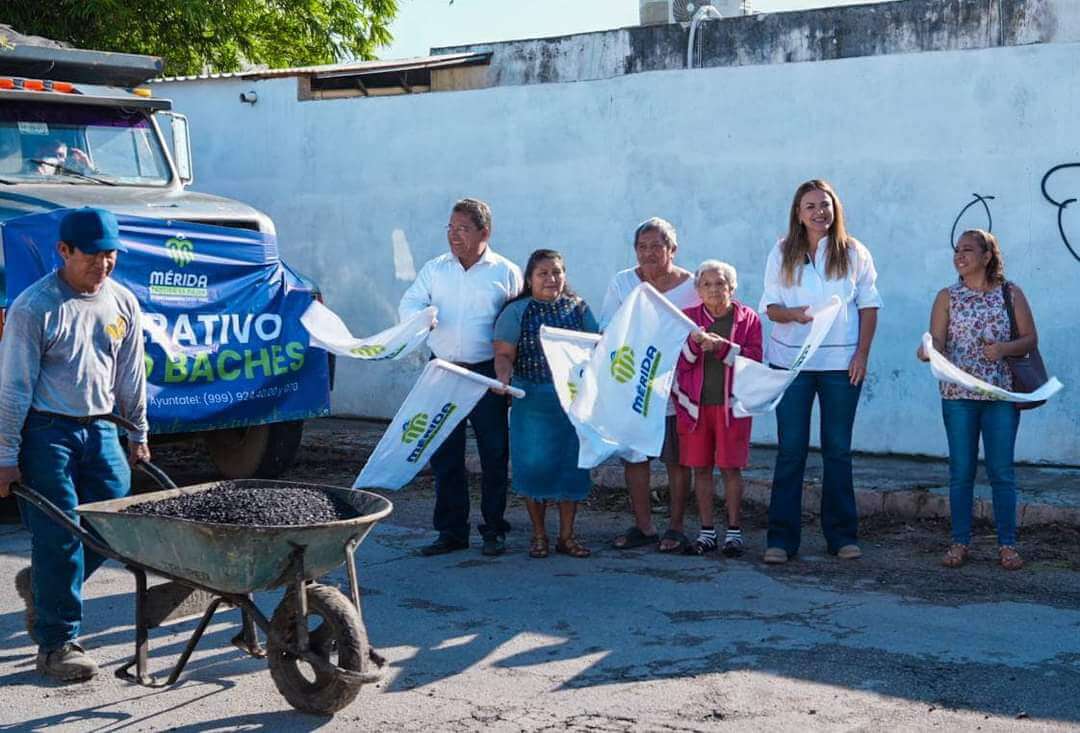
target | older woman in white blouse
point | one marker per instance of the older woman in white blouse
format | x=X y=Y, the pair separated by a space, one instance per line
x=816 y=260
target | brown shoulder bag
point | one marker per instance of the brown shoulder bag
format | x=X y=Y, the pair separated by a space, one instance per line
x=1028 y=371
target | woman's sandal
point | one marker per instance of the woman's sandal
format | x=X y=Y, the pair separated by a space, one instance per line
x=538 y=548
x=1010 y=559
x=634 y=537
x=571 y=547
x=677 y=542
x=955 y=556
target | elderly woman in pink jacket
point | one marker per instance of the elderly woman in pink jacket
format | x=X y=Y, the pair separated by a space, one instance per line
x=710 y=436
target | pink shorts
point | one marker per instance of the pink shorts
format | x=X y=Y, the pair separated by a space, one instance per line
x=712 y=443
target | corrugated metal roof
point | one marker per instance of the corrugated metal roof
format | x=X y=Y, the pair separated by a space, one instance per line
x=356 y=68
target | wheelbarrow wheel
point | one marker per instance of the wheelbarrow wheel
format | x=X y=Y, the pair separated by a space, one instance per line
x=336 y=635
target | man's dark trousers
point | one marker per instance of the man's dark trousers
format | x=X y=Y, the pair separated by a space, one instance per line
x=490 y=426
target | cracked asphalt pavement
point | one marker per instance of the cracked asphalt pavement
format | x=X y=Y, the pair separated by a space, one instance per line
x=622 y=641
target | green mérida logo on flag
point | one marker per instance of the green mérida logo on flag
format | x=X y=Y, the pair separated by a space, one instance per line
x=369 y=352
x=376 y=352
x=646 y=374
x=414 y=427
x=624 y=367
x=423 y=431
x=622 y=364
x=181 y=250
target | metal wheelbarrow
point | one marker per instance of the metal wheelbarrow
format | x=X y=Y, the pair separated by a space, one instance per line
x=317 y=646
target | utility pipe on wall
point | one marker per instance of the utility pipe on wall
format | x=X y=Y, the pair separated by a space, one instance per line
x=705 y=12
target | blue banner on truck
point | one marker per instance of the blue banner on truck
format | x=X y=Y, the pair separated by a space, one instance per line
x=224 y=346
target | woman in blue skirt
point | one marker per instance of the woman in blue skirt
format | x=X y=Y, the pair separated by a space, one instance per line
x=543 y=444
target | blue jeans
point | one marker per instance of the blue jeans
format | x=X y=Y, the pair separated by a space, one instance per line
x=69 y=464
x=837 y=399
x=492 y=430
x=997 y=422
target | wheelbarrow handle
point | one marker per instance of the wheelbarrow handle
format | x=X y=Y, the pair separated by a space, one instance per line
x=59 y=516
x=160 y=477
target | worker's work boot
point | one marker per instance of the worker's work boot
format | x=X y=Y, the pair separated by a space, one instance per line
x=24 y=587
x=69 y=663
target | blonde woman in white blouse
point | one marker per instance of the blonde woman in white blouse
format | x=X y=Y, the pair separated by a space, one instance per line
x=816 y=260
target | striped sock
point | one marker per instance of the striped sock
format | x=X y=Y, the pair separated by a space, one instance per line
x=705 y=542
x=733 y=542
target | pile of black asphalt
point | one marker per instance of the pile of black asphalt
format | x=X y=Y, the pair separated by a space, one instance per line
x=270 y=506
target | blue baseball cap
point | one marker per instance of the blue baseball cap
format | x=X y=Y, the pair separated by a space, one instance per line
x=91 y=230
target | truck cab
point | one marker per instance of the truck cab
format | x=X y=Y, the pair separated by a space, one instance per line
x=76 y=129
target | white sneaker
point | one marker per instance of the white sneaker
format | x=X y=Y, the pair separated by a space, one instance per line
x=849 y=552
x=775 y=556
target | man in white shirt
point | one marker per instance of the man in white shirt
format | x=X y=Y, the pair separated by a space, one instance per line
x=655 y=244
x=469 y=285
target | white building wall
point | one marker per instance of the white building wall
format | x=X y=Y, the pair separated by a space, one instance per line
x=906 y=139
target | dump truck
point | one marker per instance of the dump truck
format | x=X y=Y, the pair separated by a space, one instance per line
x=78 y=128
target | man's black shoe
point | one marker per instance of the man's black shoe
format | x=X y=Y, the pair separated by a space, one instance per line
x=443 y=545
x=494 y=545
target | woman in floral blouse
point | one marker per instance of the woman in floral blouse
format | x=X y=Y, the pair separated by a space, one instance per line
x=543 y=443
x=969 y=324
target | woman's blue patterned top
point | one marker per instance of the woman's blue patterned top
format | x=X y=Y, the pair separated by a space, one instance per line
x=520 y=322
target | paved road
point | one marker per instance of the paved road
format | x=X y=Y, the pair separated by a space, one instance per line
x=622 y=641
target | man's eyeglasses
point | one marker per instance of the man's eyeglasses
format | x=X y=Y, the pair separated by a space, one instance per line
x=460 y=229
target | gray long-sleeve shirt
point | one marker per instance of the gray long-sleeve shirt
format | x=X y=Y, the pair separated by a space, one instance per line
x=73 y=354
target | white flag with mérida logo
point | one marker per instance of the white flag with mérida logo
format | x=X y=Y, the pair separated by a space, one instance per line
x=329 y=332
x=624 y=388
x=758 y=388
x=568 y=353
x=440 y=399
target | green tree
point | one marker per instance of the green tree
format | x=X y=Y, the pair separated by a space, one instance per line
x=196 y=36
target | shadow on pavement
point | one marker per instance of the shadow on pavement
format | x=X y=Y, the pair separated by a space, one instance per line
x=624 y=618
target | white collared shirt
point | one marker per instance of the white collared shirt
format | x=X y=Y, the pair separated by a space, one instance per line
x=682 y=296
x=858 y=291
x=468 y=303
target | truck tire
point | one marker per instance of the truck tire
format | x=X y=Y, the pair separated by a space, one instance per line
x=257 y=451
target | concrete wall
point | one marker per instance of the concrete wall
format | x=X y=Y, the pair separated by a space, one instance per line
x=822 y=34
x=359 y=187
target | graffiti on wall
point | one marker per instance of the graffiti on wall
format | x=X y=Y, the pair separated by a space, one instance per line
x=978 y=199
x=1061 y=206
x=981 y=201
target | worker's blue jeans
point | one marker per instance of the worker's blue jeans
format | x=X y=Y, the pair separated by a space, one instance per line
x=997 y=422
x=69 y=464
